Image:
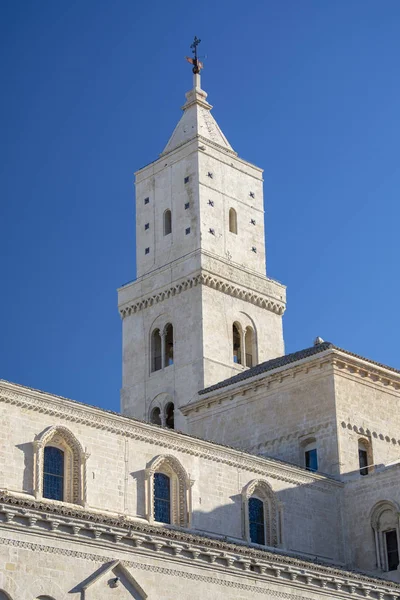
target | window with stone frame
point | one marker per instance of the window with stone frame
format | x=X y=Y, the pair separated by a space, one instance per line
x=233 y=221
x=59 y=466
x=365 y=459
x=385 y=524
x=262 y=523
x=310 y=452
x=168 y=487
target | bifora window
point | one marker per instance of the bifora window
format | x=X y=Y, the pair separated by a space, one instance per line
x=53 y=473
x=256 y=521
x=162 y=498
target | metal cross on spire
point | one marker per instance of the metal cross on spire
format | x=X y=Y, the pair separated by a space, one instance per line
x=197 y=65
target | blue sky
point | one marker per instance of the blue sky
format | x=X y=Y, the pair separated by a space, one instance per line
x=91 y=90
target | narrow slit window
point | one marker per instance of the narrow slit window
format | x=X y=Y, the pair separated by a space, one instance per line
x=146 y=200
x=237 y=350
x=155 y=416
x=232 y=221
x=167 y=222
x=187 y=230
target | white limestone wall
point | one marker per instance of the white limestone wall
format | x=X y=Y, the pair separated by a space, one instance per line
x=163 y=183
x=230 y=186
x=121 y=449
x=360 y=497
x=33 y=565
x=367 y=408
x=219 y=312
x=276 y=415
x=180 y=381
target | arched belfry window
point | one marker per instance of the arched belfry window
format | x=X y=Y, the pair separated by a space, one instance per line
x=167 y=222
x=168 y=492
x=232 y=220
x=249 y=343
x=53 y=473
x=169 y=415
x=169 y=345
x=155 y=416
x=237 y=344
x=60 y=466
x=156 y=363
x=262 y=514
x=385 y=523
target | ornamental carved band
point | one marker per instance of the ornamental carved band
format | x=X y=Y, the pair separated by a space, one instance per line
x=226 y=287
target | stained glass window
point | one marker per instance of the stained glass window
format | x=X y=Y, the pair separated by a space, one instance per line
x=53 y=473
x=256 y=521
x=162 y=498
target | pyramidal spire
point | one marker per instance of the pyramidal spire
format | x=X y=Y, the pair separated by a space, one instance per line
x=197 y=120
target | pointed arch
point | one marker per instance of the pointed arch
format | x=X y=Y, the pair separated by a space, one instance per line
x=180 y=498
x=74 y=463
x=271 y=510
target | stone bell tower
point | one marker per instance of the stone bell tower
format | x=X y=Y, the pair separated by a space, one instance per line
x=201 y=309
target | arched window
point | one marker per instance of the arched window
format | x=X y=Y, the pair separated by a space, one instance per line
x=256 y=521
x=53 y=473
x=169 y=415
x=364 y=456
x=167 y=222
x=168 y=492
x=310 y=454
x=156 y=350
x=385 y=523
x=4 y=596
x=169 y=345
x=237 y=344
x=162 y=498
x=155 y=416
x=262 y=514
x=59 y=466
x=232 y=220
x=249 y=343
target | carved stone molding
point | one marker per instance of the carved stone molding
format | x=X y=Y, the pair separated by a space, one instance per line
x=371 y=434
x=212 y=281
x=127 y=534
x=151 y=434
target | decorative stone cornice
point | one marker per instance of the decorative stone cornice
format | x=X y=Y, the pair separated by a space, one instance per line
x=55 y=520
x=209 y=280
x=366 y=432
x=98 y=418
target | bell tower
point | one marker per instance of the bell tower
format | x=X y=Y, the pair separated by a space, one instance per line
x=202 y=308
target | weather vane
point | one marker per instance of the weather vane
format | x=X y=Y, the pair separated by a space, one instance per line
x=197 y=64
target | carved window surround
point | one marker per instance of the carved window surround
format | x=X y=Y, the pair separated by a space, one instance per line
x=181 y=489
x=75 y=487
x=272 y=512
x=385 y=516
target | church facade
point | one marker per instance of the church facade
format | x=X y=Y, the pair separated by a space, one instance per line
x=234 y=470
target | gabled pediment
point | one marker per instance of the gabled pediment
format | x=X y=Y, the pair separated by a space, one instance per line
x=111 y=577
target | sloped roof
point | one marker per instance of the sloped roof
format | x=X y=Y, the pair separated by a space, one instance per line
x=287 y=359
x=197 y=121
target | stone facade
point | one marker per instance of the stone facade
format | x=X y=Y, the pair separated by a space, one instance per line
x=309 y=441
